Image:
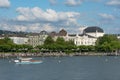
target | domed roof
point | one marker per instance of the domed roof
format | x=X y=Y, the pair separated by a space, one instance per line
x=93 y=29
x=52 y=34
x=43 y=32
x=62 y=33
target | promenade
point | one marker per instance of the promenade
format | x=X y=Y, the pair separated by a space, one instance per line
x=6 y=55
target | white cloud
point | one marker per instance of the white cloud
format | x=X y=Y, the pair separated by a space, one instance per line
x=73 y=2
x=48 y=27
x=4 y=3
x=35 y=27
x=19 y=28
x=35 y=19
x=113 y=30
x=107 y=16
x=37 y=14
x=53 y=2
x=113 y=3
x=10 y=27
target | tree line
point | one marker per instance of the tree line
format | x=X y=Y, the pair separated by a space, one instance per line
x=7 y=45
x=107 y=43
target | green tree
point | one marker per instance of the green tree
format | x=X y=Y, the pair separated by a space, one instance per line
x=8 y=41
x=60 y=41
x=48 y=41
x=106 y=38
x=108 y=43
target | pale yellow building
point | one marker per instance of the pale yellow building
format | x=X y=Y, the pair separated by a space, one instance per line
x=37 y=39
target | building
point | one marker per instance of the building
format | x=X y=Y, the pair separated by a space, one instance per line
x=84 y=39
x=61 y=33
x=94 y=31
x=36 y=39
x=19 y=40
x=117 y=35
x=88 y=36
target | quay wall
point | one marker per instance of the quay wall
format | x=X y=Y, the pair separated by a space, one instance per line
x=5 y=55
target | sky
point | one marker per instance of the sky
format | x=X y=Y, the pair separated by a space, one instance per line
x=54 y=15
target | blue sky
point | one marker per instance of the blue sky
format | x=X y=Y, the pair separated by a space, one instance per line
x=53 y=15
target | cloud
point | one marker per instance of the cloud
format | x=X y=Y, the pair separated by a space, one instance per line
x=114 y=3
x=36 y=19
x=109 y=22
x=96 y=0
x=12 y=27
x=73 y=2
x=36 y=14
x=106 y=16
x=113 y=30
x=93 y=0
x=33 y=27
x=53 y=2
x=4 y=3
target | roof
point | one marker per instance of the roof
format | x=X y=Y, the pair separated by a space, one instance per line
x=72 y=35
x=43 y=33
x=93 y=29
x=53 y=34
x=62 y=32
x=86 y=35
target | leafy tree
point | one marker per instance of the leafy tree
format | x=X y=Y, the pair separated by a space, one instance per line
x=48 y=41
x=6 y=41
x=106 y=38
x=60 y=41
x=108 y=43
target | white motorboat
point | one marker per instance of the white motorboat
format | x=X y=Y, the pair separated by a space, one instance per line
x=27 y=61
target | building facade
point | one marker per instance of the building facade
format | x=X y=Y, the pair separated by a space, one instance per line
x=19 y=40
x=85 y=40
x=37 y=39
x=86 y=37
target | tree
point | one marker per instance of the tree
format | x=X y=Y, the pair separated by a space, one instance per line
x=60 y=41
x=106 y=38
x=48 y=41
x=8 y=41
x=108 y=43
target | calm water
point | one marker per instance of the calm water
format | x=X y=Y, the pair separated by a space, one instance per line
x=63 y=68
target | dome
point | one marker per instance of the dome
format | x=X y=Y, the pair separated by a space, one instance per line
x=52 y=34
x=43 y=32
x=93 y=29
x=62 y=33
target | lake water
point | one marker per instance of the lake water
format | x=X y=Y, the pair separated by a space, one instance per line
x=64 y=68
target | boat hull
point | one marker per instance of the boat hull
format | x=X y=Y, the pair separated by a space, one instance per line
x=38 y=62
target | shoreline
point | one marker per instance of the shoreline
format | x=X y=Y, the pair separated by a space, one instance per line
x=55 y=54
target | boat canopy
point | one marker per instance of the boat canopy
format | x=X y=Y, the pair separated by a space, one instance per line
x=25 y=58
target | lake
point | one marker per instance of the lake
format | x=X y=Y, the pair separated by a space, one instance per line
x=63 y=68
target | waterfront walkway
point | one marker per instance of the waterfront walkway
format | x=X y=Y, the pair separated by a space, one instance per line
x=5 y=55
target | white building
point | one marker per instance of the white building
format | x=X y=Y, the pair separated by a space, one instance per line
x=88 y=36
x=85 y=39
x=118 y=36
x=19 y=40
x=94 y=31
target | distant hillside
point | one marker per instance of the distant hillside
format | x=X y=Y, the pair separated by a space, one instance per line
x=5 y=32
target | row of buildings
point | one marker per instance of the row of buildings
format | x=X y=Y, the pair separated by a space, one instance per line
x=87 y=36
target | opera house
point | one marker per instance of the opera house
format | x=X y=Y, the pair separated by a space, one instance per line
x=87 y=36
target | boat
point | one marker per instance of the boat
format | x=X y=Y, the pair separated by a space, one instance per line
x=27 y=61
